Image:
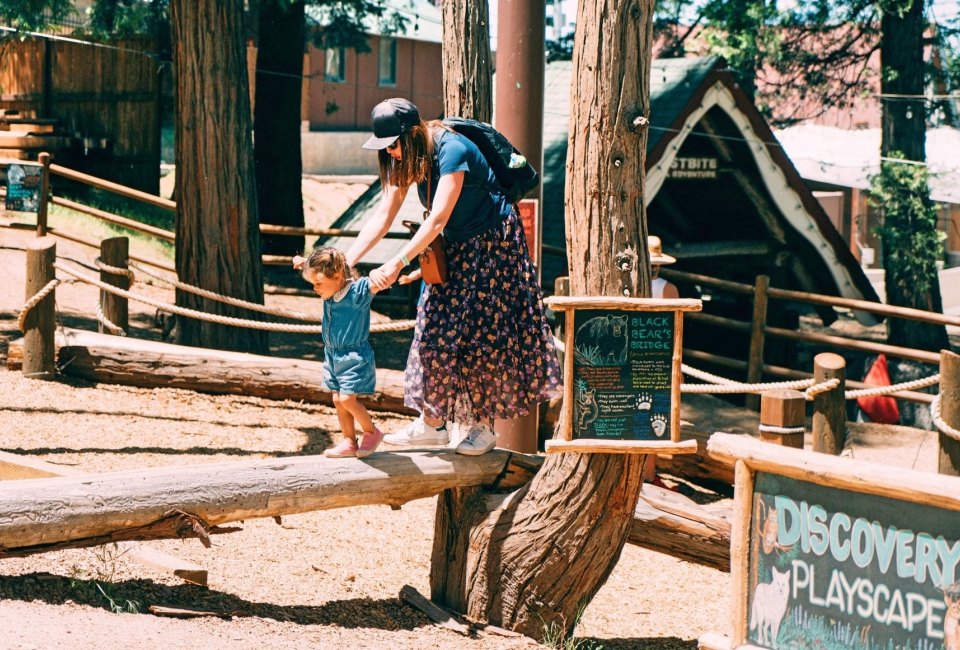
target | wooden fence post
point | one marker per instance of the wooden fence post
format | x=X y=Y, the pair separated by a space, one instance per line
x=114 y=252
x=757 y=323
x=829 y=408
x=39 y=351
x=783 y=409
x=44 y=160
x=949 y=456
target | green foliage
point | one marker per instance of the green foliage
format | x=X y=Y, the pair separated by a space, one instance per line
x=128 y=17
x=911 y=242
x=91 y=587
x=340 y=22
x=32 y=15
x=555 y=635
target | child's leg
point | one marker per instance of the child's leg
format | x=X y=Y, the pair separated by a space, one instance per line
x=347 y=424
x=352 y=405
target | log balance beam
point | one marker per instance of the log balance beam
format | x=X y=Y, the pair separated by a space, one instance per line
x=41 y=515
x=194 y=501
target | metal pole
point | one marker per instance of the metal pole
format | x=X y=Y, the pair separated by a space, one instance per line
x=518 y=114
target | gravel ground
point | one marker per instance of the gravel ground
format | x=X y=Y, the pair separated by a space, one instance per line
x=319 y=580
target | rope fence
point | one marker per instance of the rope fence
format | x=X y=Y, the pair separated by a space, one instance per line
x=714 y=384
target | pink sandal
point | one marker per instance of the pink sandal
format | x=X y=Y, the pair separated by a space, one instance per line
x=371 y=440
x=346 y=448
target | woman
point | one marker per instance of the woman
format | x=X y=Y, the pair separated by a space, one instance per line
x=482 y=348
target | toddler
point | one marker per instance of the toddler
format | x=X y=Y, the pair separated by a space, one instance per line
x=348 y=365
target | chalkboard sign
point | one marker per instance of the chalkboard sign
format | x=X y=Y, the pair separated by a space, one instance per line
x=829 y=552
x=623 y=374
x=23 y=187
x=836 y=569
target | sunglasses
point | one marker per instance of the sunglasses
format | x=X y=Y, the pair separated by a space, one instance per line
x=394 y=145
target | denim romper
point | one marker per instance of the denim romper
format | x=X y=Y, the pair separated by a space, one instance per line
x=348 y=362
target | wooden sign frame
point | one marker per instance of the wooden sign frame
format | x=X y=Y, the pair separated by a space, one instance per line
x=570 y=305
x=752 y=456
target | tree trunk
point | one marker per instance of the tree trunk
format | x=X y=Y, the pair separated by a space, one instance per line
x=535 y=559
x=908 y=257
x=466 y=59
x=276 y=122
x=218 y=244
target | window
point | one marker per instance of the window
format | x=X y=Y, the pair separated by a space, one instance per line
x=387 y=61
x=335 y=69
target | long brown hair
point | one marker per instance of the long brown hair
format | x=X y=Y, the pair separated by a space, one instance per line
x=417 y=147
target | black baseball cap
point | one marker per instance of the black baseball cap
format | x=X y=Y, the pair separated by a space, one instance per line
x=391 y=118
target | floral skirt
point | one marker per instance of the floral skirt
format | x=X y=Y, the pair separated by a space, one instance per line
x=482 y=347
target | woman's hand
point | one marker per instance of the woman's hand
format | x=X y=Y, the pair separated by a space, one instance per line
x=383 y=276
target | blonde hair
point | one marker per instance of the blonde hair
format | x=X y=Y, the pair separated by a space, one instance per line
x=416 y=144
x=328 y=261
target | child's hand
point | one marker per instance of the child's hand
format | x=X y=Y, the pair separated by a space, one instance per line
x=411 y=277
x=299 y=262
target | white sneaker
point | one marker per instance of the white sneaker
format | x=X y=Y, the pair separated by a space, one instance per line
x=480 y=439
x=419 y=432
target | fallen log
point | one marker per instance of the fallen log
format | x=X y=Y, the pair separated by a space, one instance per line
x=152 y=364
x=670 y=523
x=171 y=502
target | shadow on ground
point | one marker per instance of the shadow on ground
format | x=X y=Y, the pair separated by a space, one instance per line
x=389 y=614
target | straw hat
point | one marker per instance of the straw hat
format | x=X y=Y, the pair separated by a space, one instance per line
x=657 y=256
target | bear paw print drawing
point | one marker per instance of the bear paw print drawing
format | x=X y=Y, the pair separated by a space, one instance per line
x=658 y=422
x=644 y=401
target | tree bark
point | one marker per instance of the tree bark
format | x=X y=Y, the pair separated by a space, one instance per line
x=908 y=283
x=535 y=558
x=466 y=59
x=276 y=122
x=218 y=243
x=904 y=134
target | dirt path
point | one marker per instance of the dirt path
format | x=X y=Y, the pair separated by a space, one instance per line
x=319 y=580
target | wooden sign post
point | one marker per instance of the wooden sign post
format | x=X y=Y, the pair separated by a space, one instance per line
x=829 y=552
x=622 y=374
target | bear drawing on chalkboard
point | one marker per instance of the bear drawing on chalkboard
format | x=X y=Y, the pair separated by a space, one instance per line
x=951 y=619
x=602 y=341
x=769 y=607
x=587 y=408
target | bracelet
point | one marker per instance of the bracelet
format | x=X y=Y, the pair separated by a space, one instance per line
x=406 y=262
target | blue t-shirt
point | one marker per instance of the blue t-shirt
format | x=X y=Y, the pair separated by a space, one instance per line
x=346 y=322
x=480 y=206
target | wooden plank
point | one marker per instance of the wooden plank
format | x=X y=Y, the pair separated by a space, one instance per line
x=170 y=502
x=561 y=303
x=838 y=472
x=434 y=612
x=599 y=446
x=739 y=552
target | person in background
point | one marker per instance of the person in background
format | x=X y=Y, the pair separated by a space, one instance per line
x=349 y=368
x=482 y=348
x=660 y=288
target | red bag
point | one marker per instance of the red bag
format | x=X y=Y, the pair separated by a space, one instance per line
x=882 y=409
